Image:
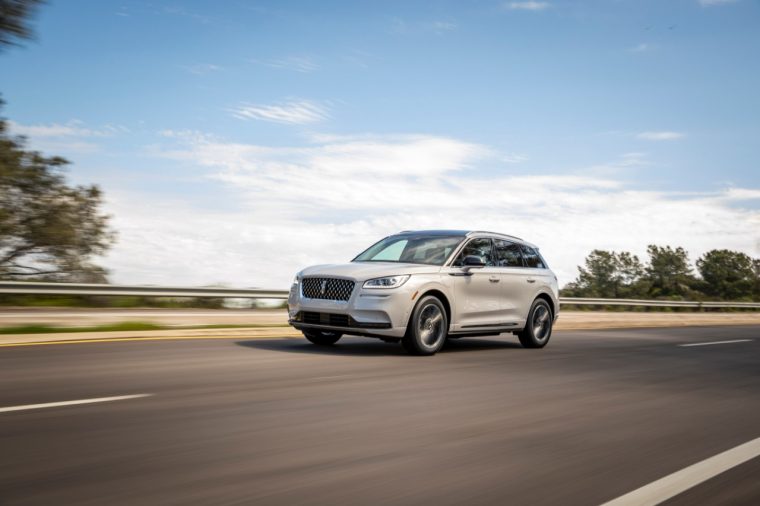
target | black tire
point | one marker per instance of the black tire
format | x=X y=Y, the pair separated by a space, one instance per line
x=538 y=328
x=322 y=337
x=428 y=327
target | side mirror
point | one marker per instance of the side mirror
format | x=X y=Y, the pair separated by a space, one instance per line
x=471 y=261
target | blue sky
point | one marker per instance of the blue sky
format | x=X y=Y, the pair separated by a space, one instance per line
x=299 y=132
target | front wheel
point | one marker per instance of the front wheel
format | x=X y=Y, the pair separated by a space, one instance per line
x=321 y=337
x=427 y=328
x=538 y=328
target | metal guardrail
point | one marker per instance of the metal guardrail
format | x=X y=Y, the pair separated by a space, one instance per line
x=577 y=301
x=31 y=288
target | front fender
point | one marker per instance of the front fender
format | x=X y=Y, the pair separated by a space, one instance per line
x=425 y=287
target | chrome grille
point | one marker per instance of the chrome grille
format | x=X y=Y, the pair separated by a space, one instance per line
x=327 y=288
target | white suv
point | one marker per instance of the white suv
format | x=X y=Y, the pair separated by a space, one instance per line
x=422 y=287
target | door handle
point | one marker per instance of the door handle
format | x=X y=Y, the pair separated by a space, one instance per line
x=531 y=280
x=494 y=279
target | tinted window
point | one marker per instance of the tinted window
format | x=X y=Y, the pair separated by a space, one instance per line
x=532 y=258
x=507 y=254
x=480 y=248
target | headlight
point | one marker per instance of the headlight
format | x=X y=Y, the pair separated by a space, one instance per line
x=387 y=282
x=295 y=280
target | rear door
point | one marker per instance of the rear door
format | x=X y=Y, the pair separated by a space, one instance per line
x=517 y=291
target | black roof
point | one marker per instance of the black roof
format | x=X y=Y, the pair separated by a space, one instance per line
x=454 y=233
x=447 y=233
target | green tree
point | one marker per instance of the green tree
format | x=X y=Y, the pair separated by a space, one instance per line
x=14 y=17
x=48 y=229
x=669 y=271
x=608 y=274
x=726 y=274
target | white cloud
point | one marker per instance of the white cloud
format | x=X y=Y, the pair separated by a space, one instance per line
x=298 y=112
x=201 y=68
x=73 y=128
x=632 y=159
x=301 y=64
x=527 y=6
x=325 y=202
x=444 y=26
x=514 y=158
x=641 y=48
x=660 y=136
x=72 y=136
x=741 y=194
x=709 y=3
x=403 y=27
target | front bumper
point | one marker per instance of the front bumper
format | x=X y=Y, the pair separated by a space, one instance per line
x=368 y=312
x=345 y=321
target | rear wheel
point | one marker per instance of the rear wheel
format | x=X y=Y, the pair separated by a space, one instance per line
x=427 y=328
x=322 y=337
x=538 y=328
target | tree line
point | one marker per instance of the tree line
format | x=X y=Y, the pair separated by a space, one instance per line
x=720 y=274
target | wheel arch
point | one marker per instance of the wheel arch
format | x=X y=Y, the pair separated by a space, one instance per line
x=549 y=300
x=440 y=296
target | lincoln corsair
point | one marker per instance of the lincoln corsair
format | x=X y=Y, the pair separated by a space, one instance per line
x=423 y=287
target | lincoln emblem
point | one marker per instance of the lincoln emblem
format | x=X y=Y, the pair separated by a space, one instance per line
x=323 y=288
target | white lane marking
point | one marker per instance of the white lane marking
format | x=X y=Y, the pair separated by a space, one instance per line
x=716 y=342
x=72 y=403
x=680 y=481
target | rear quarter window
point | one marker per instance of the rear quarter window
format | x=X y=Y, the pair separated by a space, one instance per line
x=532 y=258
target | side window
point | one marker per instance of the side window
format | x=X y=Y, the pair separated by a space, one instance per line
x=479 y=248
x=532 y=258
x=428 y=251
x=507 y=254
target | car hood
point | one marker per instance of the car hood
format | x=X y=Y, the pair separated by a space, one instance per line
x=362 y=271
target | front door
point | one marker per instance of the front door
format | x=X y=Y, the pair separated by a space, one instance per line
x=476 y=290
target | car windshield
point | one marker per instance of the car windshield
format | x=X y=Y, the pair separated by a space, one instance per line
x=430 y=250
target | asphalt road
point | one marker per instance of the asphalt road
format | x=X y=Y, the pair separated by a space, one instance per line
x=591 y=417
x=569 y=320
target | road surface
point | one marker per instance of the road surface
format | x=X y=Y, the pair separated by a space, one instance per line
x=594 y=416
x=569 y=319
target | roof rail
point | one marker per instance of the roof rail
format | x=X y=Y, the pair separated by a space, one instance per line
x=495 y=233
